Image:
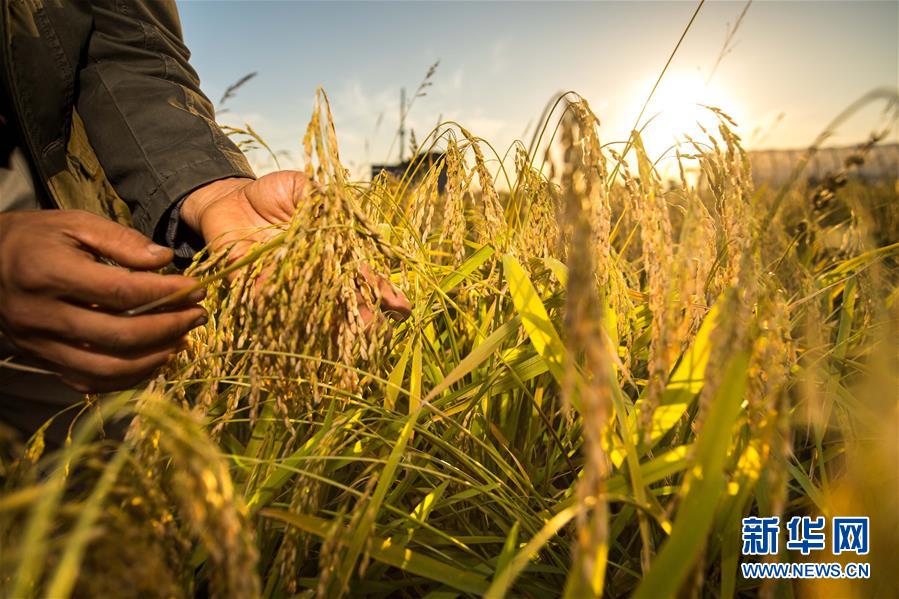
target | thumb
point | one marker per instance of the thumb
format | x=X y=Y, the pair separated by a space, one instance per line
x=124 y=245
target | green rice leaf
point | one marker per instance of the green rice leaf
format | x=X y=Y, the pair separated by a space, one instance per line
x=504 y=579
x=395 y=378
x=703 y=487
x=386 y=552
x=386 y=478
x=505 y=556
x=471 y=264
x=477 y=356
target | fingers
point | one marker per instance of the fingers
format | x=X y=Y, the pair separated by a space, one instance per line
x=94 y=372
x=393 y=302
x=117 y=289
x=122 y=244
x=101 y=352
x=365 y=312
x=275 y=196
x=125 y=335
x=63 y=265
x=55 y=298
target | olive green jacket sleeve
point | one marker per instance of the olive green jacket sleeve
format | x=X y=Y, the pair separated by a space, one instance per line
x=152 y=128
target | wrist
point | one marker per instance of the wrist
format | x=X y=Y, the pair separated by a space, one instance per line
x=197 y=201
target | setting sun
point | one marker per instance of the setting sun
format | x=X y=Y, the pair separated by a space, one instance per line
x=679 y=109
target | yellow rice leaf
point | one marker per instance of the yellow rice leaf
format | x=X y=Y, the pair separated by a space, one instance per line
x=534 y=317
x=684 y=385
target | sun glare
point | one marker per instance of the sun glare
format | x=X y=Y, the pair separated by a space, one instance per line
x=679 y=109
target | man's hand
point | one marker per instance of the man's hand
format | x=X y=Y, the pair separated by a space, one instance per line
x=58 y=303
x=231 y=211
x=234 y=211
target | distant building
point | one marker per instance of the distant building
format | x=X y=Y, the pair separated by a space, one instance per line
x=775 y=166
x=416 y=167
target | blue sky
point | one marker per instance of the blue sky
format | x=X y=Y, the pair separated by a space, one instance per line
x=501 y=61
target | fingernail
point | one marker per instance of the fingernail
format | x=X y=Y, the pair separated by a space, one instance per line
x=197 y=295
x=200 y=321
x=157 y=250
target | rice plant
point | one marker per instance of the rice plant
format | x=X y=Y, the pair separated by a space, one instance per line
x=602 y=374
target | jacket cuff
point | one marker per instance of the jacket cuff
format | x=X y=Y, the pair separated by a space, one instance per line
x=174 y=233
x=160 y=217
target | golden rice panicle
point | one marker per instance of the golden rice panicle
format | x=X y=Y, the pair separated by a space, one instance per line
x=837 y=213
x=422 y=206
x=322 y=158
x=426 y=223
x=307 y=496
x=726 y=174
x=198 y=480
x=382 y=206
x=778 y=425
x=291 y=325
x=126 y=554
x=217 y=352
x=651 y=207
x=140 y=544
x=596 y=175
x=334 y=549
x=330 y=554
x=612 y=278
x=585 y=336
x=491 y=227
x=453 y=227
x=312 y=172
x=622 y=276
x=826 y=191
x=817 y=330
x=734 y=331
x=694 y=257
x=726 y=177
x=317 y=326
x=536 y=229
x=772 y=357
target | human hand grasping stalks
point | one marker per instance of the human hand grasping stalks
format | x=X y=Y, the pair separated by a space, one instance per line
x=240 y=212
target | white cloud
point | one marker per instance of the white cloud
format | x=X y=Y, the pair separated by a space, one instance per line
x=499 y=55
x=455 y=79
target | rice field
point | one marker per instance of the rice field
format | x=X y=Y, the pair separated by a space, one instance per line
x=603 y=372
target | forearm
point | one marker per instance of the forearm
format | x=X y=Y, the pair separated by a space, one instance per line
x=152 y=128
